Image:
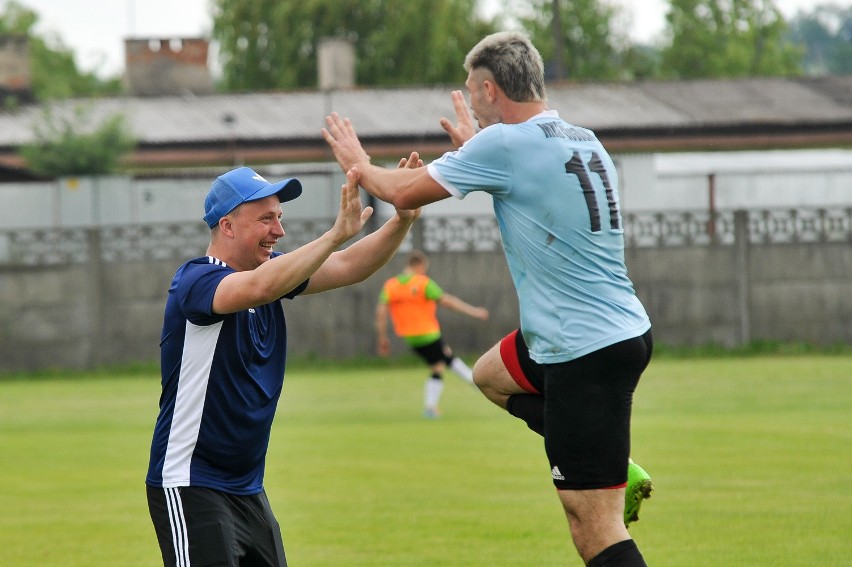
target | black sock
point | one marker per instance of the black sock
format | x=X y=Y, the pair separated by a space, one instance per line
x=622 y=554
x=530 y=408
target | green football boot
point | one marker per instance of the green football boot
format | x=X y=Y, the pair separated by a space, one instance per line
x=639 y=488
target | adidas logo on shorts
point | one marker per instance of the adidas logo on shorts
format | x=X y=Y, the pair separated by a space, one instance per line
x=556 y=474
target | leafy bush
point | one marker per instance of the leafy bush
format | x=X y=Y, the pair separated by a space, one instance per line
x=66 y=144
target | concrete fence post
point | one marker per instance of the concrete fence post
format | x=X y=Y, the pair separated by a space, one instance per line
x=417 y=239
x=95 y=297
x=742 y=249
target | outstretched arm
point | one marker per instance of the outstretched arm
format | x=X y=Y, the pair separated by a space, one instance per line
x=456 y=304
x=404 y=188
x=365 y=257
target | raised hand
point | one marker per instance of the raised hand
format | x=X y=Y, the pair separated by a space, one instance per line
x=464 y=129
x=413 y=161
x=344 y=142
x=351 y=216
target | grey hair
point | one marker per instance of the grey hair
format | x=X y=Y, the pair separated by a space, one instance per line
x=514 y=62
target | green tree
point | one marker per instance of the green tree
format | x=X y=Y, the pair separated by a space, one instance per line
x=272 y=44
x=825 y=32
x=54 y=74
x=641 y=62
x=576 y=39
x=66 y=144
x=728 y=38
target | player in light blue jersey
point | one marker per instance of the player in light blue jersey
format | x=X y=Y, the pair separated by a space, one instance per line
x=555 y=194
x=223 y=352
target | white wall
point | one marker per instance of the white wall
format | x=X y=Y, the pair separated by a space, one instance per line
x=749 y=180
x=648 y=182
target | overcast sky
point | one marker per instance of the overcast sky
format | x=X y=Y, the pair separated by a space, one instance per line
x=96 y=29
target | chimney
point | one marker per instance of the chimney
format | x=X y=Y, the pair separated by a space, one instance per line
x=336 y=64
x=161 y=67
x=15 y=77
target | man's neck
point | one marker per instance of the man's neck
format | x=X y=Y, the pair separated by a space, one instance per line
x=517 y=112
x=221 y=254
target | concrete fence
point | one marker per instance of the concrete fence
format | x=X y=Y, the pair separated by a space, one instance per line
x=82 y=298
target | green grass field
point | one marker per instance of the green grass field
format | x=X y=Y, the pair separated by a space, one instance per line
x=751 y=457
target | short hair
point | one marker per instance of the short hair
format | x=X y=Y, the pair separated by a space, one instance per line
x=514 y=62
x=416 y=258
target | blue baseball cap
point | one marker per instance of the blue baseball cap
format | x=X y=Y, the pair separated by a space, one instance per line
x=240 y=186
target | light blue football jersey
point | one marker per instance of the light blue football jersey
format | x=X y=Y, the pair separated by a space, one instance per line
x=555 y=194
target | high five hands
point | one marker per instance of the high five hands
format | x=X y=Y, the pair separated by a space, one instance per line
x=464 y=129
x=413 y=161
x=344 y=142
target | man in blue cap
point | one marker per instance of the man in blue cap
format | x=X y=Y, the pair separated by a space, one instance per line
x=223 y=352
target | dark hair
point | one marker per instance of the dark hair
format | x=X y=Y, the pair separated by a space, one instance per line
x=416 y=258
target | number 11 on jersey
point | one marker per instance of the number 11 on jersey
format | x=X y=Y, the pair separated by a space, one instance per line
x=576 y=166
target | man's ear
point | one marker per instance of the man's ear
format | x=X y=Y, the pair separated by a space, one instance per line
x=491 y=89
x=225 y=226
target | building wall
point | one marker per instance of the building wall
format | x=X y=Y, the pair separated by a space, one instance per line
x=15 y=74
x=734 y=180
x=85 y=263
x=167 y=66
x=14 y=62
x=649 y=183
x=92 y=297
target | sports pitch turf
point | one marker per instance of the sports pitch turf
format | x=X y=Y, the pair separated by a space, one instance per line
x=750 y=457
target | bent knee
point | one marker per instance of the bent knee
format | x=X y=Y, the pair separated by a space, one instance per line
x=478 y=374
x=492 y=378
x=485 y=370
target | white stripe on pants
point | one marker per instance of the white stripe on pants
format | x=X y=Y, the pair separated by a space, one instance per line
x=178 y=523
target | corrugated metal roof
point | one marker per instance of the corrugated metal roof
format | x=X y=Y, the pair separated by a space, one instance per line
x=751 y=101
x=407 y=112
x=615 y=106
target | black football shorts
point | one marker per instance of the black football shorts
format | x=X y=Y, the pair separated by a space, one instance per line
x=435 y=352
x=200 y=526
x=587 y=407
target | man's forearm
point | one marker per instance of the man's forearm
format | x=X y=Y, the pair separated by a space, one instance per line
x=379 y=182
x=368 y=255
x=404 y=188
